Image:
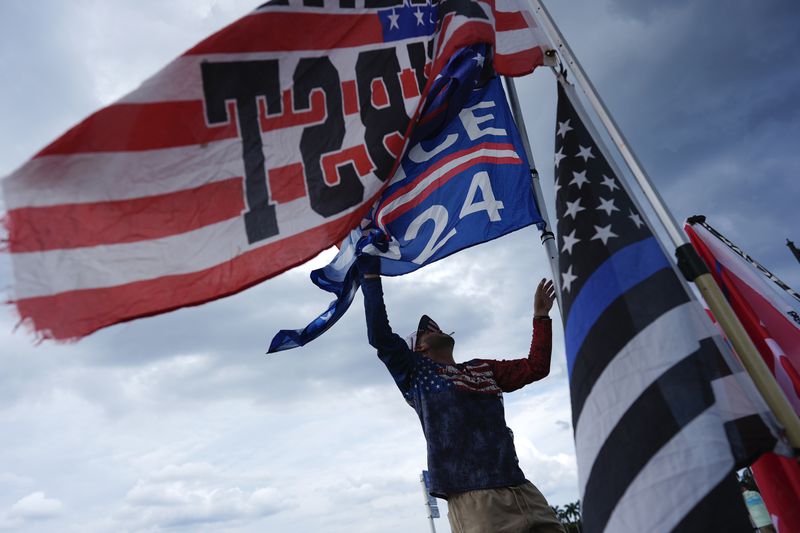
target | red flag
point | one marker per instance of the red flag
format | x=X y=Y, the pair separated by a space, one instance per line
x=247 y=155
x=770 y=312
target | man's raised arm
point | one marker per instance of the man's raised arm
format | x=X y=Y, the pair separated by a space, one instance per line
x=392 y=349
x=516 y=373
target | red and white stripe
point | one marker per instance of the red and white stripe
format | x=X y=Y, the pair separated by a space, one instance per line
x=770 y=313
x=414 y=193
x=766 y=310
x=137 y=210
x=520 y=41
x=475 y=378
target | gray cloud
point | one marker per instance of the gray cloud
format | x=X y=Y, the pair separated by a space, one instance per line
x=705 y=93
x=168 y=504
x=182 y=421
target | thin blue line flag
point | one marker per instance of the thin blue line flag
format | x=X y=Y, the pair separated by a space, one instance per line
x=663 y=413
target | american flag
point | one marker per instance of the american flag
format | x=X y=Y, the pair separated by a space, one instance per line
x=661 y=420
x=247 y=155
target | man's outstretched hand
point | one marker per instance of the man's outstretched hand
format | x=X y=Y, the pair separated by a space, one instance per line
x=543 y=300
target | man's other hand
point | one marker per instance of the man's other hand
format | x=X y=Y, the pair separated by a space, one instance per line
x=543 y=300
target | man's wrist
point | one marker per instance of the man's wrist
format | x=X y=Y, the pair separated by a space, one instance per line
x=371 y=276
x=541 y=317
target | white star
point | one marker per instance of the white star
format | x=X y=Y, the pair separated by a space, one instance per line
x=558 y=188
x=419 y=14
x=607 y=205
x=479 y=59
x=636 y=218
x=579 y=178
x=610 y=183
x=563 y=128
x=567 y=278
x=585 y=152
x=604 y=233
x=559 y=156
x=569 y=242
x=573 y=208
x=393 y=20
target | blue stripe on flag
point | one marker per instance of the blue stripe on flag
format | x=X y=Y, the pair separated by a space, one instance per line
x=620 y=272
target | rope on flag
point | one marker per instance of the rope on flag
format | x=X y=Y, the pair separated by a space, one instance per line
x=245 y=156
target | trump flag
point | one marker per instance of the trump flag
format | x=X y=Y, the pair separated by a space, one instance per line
x=247 y=155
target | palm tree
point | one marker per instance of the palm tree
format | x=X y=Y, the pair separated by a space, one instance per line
x=558 y=511
x=573 y=513
x=569 y=516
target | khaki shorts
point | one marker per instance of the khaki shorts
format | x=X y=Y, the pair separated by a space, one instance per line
x=520 y=509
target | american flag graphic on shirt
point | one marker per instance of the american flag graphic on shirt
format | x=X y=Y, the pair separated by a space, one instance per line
x=431 y=377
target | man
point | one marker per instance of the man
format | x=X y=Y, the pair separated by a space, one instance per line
x=471 y=456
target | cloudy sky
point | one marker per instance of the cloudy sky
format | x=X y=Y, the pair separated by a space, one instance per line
x=181 y=422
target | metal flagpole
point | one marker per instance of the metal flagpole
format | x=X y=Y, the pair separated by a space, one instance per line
x=433 y=509
x=689 y=261
x=546 y=235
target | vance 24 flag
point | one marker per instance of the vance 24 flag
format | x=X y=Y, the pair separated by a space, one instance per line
x=662 y=415
x=466 y=185
x=247 y=155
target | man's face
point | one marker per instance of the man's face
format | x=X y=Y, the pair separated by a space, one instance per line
x=434 y=340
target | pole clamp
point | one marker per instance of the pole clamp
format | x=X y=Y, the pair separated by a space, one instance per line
x=547 y=235
x=689 y=262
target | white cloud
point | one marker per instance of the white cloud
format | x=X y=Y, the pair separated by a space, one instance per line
x=36 y=506
x=184 y=471
x=546 y=451
x=178 y=503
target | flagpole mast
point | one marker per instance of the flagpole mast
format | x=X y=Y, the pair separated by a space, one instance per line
x=546 y=234
x=689 y=261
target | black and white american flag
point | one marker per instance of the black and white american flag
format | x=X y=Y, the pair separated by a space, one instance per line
x=661 y=421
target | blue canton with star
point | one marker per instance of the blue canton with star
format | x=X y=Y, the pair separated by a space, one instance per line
x=596 y=216
x=409 y=20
